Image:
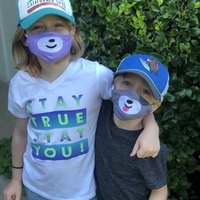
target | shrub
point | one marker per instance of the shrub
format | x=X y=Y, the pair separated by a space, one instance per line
x=5 y=157
x=168 y=30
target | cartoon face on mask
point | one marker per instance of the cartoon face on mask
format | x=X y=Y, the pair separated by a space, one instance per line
x=49 y=46
x=128 y=105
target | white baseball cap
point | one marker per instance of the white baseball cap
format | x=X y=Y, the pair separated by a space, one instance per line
x=30 y=11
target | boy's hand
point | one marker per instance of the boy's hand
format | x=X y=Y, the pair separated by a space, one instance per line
x=33 y=71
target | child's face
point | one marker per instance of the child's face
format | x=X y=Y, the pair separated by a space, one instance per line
x=135 y=83
x=50 y=23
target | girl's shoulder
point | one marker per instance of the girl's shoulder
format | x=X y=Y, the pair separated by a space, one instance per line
x=89 y=63
x=92 y=66
x=22 y=74
x=22 y=78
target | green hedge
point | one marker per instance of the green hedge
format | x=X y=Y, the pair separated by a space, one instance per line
x=5 y=157
x=170 y=31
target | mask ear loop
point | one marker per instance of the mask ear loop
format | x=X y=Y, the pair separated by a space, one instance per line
x=155 y=105
x=73 y=51
x=24 y=39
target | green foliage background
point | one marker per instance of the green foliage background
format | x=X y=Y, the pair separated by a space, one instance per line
x=170 y=31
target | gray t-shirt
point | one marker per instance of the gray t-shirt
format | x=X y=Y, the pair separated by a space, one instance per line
x=118 y=175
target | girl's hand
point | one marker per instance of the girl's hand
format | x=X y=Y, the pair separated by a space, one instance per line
x=148 y=143
x=13 y=190
x=33 y=71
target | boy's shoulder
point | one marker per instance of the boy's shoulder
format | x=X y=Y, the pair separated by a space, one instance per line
x=106 y=104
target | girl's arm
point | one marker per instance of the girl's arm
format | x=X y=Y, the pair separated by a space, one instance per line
x=148 y=143
x=160 y=194
x=19 y=140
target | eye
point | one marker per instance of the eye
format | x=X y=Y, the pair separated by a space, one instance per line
x=126 y=83
x=35 y=29
x=145 y=92
x=58 y=25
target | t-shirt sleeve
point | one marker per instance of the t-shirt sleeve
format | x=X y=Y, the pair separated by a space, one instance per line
x=15 y=100
x=105 y=77
x=154 y=170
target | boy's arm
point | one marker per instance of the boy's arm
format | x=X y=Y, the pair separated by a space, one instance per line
x=148 y=143
x=160 y=194
x=33 y=71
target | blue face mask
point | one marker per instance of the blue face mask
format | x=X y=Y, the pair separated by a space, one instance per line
x=49 y=46
x=128 y=105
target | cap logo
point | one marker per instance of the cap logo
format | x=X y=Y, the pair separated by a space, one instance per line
x=150 y=64
x=33 y=5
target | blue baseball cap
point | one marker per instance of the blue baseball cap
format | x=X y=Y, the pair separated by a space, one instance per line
x=30 y=11
x=150 y=69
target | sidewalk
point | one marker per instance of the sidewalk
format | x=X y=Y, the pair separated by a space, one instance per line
x=6 y=118
x=6 y=125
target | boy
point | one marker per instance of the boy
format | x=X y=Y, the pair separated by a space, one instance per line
x=140 y=84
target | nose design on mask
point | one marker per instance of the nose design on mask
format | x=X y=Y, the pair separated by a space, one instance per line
x=128 y=105
x=50 y=45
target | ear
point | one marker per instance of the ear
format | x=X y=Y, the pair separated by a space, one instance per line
x=155 y=107
x=24 y=39
x=73 y=30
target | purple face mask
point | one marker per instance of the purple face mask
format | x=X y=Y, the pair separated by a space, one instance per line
x=49 y=46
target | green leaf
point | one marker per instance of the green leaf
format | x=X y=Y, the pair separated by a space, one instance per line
x=114 y=50
x=191 y=4
x=195 y=43
x=192 y=74
x=194 y=32
x=188 y=92
x=197 y=120
x=160 y=2
x=100 y=6
x=169 y=114
x=197 y=5
x=170 y=98
x=154 y=7
x=125 y=7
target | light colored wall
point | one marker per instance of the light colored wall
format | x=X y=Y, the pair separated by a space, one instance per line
x=8 y=21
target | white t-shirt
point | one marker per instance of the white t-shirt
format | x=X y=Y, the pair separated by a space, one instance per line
x=59 y=156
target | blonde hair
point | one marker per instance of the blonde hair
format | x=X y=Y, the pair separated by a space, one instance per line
x=23 y=56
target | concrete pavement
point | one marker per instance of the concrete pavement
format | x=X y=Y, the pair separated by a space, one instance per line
x=6 y=126
x=6 y=118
